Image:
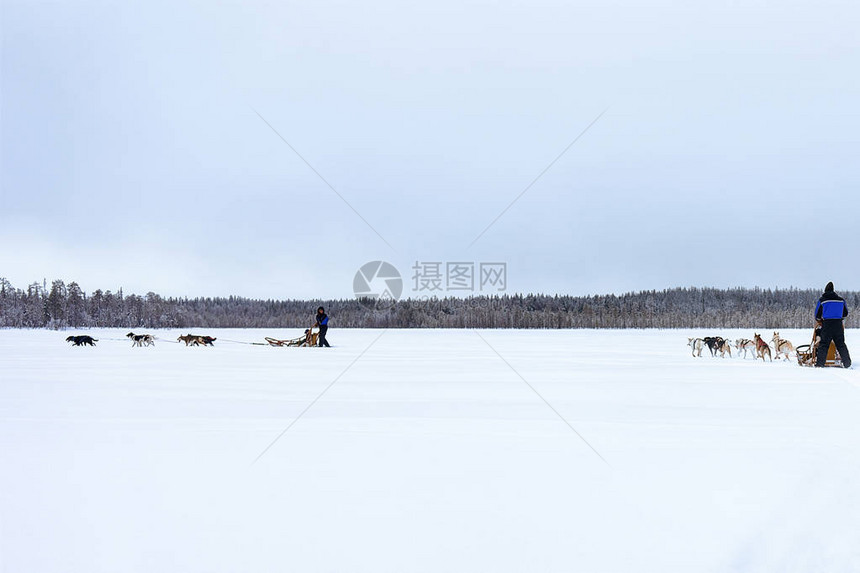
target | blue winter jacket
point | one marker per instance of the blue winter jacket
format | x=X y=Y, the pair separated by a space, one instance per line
x=322 y=319
x=831 y=307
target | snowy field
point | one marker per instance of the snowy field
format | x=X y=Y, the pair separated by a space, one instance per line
x=430 y=451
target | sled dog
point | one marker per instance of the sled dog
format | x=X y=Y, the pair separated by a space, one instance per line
x=192 y=340
x=762 y=348
x=141 y=339
x=746 y=345
x=82 y=340
x=696 y=344
x=714 y=343
x=197 y=340
x=782 y=346
x=188 y=339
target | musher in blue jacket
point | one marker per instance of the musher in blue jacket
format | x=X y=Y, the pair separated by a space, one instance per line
x=829 y=313
x=322 y=324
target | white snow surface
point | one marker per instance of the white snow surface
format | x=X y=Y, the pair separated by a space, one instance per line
x=432 y=450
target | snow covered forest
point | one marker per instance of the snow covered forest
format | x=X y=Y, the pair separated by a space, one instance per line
x=67 y=306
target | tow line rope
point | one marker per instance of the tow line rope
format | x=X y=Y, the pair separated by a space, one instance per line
x=237 y=341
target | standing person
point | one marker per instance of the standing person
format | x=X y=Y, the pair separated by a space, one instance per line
x=322 y=324
x=830 y=311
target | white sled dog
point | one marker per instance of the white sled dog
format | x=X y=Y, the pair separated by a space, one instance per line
x=141 y=339
x=746 y=345
x=782 y=346
x=696 y=344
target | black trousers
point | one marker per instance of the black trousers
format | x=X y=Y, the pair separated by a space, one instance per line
x=832 y=330
x=322 y=340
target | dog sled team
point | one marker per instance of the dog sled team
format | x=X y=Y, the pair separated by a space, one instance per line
x=756 y=347
x=313 y=336
x=827 y=347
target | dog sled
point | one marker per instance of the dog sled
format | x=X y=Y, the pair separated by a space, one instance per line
x=806 y=353
x=309 y=338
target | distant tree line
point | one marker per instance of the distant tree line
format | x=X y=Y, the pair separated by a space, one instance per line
x=68 y=306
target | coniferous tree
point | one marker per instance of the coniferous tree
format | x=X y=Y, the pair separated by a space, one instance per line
x=75 y=306
x=55 y=304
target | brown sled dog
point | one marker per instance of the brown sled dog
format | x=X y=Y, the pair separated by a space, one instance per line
x=762 y=348
x=188 y=339
x=197 y=340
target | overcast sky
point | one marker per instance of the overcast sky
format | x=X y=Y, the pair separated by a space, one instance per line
x=133 y=154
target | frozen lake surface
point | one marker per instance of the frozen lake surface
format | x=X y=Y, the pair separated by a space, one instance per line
x=431 y=450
